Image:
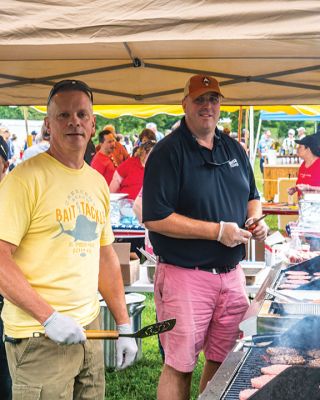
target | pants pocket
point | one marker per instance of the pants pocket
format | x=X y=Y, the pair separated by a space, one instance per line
x=158 y=282
x=25 y=392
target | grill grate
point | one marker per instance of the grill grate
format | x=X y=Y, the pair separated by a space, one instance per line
x=250 y=368
x=304 y=335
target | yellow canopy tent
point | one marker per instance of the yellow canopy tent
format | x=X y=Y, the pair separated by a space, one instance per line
x=147 y=111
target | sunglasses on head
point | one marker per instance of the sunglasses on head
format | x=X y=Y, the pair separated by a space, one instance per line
x=212 y=99
x=70 y=84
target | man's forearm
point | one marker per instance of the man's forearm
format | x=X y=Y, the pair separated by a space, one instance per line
x=111 y=285
x=181 y=227
x=15 y=288
x=254 y=209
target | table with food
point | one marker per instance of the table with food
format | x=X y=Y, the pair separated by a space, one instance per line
x=125 y=224
x=280 y=208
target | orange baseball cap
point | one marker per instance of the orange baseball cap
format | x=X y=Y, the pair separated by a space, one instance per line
x=198 y=85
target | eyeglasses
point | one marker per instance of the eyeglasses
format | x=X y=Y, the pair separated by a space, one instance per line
x=213 y=163
x=148 y=145
x=212 y=99
x=70 y=84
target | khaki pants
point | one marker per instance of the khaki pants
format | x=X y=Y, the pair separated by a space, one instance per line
x=42 y=370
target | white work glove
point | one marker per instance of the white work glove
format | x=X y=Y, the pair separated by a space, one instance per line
x=63 y=329
x=259 y=231
x=126 y=347
x=231 y=235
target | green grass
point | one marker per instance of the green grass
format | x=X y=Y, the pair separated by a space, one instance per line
x=140 y=381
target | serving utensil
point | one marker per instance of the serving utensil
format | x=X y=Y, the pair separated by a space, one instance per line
x=148 y=256
x=149 y=330
x=259 y=340
x=285 y=297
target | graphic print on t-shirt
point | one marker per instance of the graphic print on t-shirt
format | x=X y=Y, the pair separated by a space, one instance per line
x=305 y=176
x=80 y=219
x=84 y=229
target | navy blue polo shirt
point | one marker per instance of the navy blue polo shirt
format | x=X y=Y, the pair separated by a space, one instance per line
x=211 y=185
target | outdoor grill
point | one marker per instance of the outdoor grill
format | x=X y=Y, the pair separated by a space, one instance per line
x=251 y=367
x=295 y=383
x=294 y=309
x=275 y=314
x=276 y=317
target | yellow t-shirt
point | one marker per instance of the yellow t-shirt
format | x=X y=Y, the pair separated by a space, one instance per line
x=58 y=217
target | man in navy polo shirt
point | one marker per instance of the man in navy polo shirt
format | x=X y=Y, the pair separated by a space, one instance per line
x=198 y=195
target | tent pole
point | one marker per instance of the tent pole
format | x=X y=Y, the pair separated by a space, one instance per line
x=251 y=132
x=257 y=140
x=26 y=115
x=239 y=121
x=246 y=130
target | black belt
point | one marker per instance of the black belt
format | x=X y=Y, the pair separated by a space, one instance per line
x=12 y=340
x=219 y=270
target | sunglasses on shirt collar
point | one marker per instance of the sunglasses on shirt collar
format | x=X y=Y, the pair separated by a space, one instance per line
x=213 y=163
x=70 y=84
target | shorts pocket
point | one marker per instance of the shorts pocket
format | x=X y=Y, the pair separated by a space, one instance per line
x=159 y=282
x=24 y=349
x=25 y=392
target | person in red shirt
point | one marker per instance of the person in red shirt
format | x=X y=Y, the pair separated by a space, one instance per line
x=101 y=161
x=119 y=154
x=309 y=171
x=128 y=177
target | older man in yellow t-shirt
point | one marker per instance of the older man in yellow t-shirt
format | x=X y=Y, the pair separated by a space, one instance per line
x=56 y=253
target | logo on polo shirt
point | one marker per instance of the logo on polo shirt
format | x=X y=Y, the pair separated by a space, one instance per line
x=233 y=163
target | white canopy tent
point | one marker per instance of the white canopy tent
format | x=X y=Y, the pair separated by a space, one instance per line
x=137 y=52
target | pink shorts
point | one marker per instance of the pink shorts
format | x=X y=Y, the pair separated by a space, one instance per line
x=208 y=308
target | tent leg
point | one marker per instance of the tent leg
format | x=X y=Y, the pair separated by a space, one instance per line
x=251 y=130
x=256 y=142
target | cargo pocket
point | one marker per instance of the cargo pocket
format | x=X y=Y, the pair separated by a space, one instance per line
x=25 y=392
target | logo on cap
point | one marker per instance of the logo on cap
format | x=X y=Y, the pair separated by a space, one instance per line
x=206 y=81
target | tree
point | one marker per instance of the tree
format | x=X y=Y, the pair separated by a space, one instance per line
x=16 y=112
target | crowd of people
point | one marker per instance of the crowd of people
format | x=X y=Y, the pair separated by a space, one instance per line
x=122 y=170
x=188 y=182
x=268 y=146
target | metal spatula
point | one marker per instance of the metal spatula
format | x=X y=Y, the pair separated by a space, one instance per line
x=150 y=330
x=285 y=297
x=151 y=258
